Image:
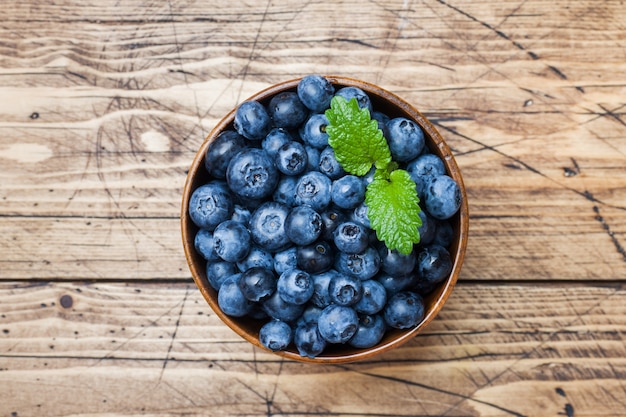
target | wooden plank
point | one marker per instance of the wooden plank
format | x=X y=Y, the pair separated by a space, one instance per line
x=105 y=105
x=157 y=349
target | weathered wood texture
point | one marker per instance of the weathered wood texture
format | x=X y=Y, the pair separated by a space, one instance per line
x=157 y=349
x=104 y=104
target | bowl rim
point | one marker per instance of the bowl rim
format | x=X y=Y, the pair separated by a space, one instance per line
x=440 y=148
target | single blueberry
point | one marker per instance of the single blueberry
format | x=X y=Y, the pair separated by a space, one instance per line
x=348 y=191
x=350 y=237
x=286 y=110
x=396 y=284
x=257 y=257
x=275 y=335
x=313 y=132
x=405 y=139
x=313 y=158
x=314 y=258
x=444 y=233
x=373 y=298
x=218 y=271
x=252 y=120
x=276 y=138
x=279 y=309
x=370 y=331
x=241 y=214
x=313 y=188
x=364 y=265
x=308 y=340
x=310 y=315
x=231 y=300
x=292 y=158
x=210 y=204
x=315 y=92
x=303 y=225
x=337 y=324
x=332 y=217
x=219 y=153
x=427 y=229
x=285 y=192
x=404 y=310
x=285 y=260
x=345 y=290
x=203 y=243
x=257 y=284
x=231 y=241
x=394 y=263
x=359 y=215
x=252 y=174
x=295 y=286
x=434 y=263
x=329 y=165
x=321 y=293
x=442 y=197
x=354 y=92
x=267 y=226
x=427 y=164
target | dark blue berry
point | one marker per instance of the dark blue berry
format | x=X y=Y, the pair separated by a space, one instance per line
x=337 y=324
x=396 y=284
x=276 y=138
x=291 y=158
x=203 y=243
x=310 y=315
x=285 y=192
x=219 y=153
x=345 y=290
x=315 y=92
x=444 y=233
x=370 y=331
x=350 y=237
x=442 y=197
x=348 y=191
x=404 y=310
x=279 y=309
x=329 y=165
x=405 y=139
x=315 y=258
x=252 y=120
x=257 y=257
x=321 y=282
x=354 y=92
x=313 y=189
x=303 y=225
x=241 y=214
x=427 y=229
x=427 y=164
x=359 y=215
x=332 y=217
x=252 y=174
x=362 y=265
x=275 y=335
x=257 y=284
x=211 y=204
x=218 y=271
x=231 y=241
x=287 y=111
x=308 y=340
x=373 y=298
x=434 y=263
x=394 y=263
x=230 y=298
x=285 y=260
x=267 y=226
x=295 y=286
x=313 y=158
x=313 y=132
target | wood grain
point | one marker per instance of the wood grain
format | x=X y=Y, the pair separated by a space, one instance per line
x=157 y=349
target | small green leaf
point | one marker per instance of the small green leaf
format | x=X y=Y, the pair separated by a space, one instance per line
x=356 y=139
x=393 y=210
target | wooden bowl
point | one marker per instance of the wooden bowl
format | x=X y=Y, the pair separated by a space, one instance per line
x=248 y=328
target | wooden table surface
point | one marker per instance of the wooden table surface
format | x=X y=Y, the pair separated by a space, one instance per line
x=104 y=104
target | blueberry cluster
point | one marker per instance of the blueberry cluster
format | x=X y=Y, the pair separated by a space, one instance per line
x=285 y=232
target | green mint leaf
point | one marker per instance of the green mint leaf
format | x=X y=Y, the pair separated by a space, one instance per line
x=393 y=210
x=355 y=137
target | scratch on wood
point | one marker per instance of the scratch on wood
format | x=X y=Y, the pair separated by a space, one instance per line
x=169 y=348
x=618 y=246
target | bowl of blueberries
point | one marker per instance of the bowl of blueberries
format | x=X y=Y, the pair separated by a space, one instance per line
x=324 y=219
